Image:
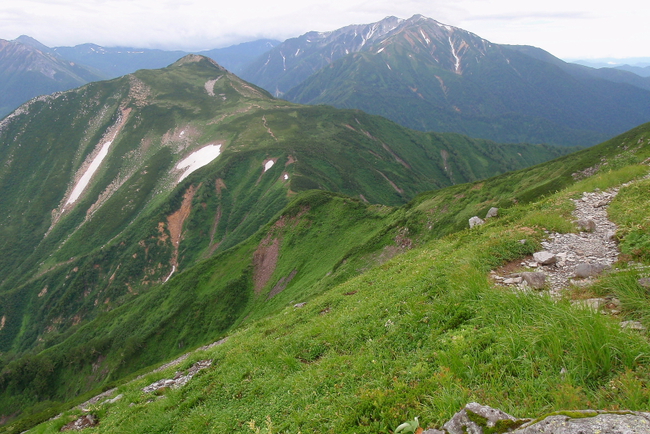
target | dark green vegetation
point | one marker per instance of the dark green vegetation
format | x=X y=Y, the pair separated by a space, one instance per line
x=431 y=77
x=83 y=298
x=379 y=340
x=27 y=72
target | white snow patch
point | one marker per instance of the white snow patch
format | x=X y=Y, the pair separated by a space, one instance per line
x=389 y=67
x=284 y=62
x=85 y=179
x=380 y=50
x=425 y=37
x=170 y=274
x=268 y=165
x=286 y=176
x=198 y=159
x=297 y=52
x=453 y=52
x=182 y=133
x=445 y=26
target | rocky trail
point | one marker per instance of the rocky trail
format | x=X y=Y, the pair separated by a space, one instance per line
x=572 y=259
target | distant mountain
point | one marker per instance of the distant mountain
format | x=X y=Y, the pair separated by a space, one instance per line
x=26 y=65
x=643 y=71
x=27 y=71
x=237 y=57
x=117 y=61
x=430 y=76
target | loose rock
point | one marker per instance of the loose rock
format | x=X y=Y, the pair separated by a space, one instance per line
x=81 y=423
x=475 y=221
x=587 y=270
x=536 y=280
x=645 y=282
x=492 y=212
x=545 y=258
x=587 y=225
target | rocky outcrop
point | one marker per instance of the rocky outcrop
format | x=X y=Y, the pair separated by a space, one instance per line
x=481 y=419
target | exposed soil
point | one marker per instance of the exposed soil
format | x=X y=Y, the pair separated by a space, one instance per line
x=175 y=222
x=265 y=260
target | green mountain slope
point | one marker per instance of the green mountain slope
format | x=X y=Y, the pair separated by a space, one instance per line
x=77 y=245
x=379 y=340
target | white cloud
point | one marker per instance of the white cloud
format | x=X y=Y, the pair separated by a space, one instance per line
x=570 y=28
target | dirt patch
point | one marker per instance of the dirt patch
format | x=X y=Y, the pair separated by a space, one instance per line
x=175 y=221
x=290 y=160
x=220 y=185
x=399 y=160
x=282 y=284
x=397 y=189
x=3 y=321
x=265 y=260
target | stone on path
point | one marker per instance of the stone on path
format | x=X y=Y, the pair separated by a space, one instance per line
x=587 y=225
x=584 y=270
x=536 y=280
x=461 y=422
x=633 y=325
x=545 y=258
x=645 y=282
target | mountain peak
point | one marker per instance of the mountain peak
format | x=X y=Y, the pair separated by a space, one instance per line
x=196 y=58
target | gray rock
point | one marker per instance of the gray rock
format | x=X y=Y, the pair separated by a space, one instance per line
x=610 y=235
x=536 y=280
x=545 y=258
x=591 y=303
x=475 y=221
x=461 y=423
x=582 y=422
x=587 y=225
x=645 y=282
x=492 y=212
x=587 y=270
x=633 y=325
x=299 y=305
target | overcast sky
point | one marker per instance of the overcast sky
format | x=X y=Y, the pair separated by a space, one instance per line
x=569 y=29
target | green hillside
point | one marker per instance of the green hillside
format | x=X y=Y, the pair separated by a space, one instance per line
x=73 y=253
x=399 y=297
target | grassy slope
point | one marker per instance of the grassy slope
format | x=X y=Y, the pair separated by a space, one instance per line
x=421 y=334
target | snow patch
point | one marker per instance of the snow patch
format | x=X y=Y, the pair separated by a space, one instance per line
x=170 y=274
x=182 y=133
x=85 y=179
x=380 y=50
x=389 y=67
x=453 y=52
x=286 y=176
x=268 y=165
x=198 y=159
x=425 y=37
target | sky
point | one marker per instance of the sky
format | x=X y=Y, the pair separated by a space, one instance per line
x=569 y=29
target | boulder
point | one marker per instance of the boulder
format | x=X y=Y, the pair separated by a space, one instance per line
x=645 y=282
x=474 y=417
x=475 y=221
x=492 y=212
x=586 y=225
x=545 y=258
x=536 y=279
x=584 y=270
x=589 y=422
x=480 y=419
x=633 y=325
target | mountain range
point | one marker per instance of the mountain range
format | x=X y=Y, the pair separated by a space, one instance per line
x=430 y=76
x=422 y=74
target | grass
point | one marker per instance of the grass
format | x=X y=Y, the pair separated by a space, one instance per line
x=419 y=335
